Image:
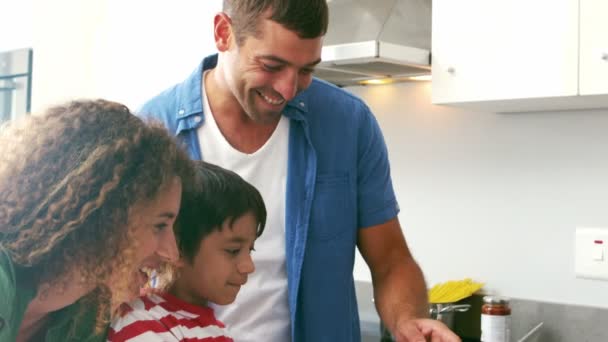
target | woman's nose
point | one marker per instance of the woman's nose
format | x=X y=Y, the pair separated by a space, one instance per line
x=167 y=247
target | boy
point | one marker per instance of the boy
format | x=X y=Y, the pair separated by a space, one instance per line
x=220 y=218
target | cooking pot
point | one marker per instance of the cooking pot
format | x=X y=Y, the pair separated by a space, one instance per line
x=444 y=312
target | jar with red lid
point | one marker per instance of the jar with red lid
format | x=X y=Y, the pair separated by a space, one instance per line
x=495 y=319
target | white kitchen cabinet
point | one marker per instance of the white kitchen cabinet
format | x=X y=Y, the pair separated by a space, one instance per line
x=519 y=55
x=594 y=47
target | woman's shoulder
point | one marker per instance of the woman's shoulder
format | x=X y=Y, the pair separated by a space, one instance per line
x=13 y=298
x=76 y=322
x=8 y=281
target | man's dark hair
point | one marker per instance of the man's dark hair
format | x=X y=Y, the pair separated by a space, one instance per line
x=308 y=18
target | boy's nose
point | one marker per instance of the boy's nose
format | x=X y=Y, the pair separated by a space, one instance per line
x=246 y=266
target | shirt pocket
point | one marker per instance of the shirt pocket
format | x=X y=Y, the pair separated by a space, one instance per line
x=333 y=210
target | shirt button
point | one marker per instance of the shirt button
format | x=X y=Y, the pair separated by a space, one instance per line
x=301 y=104
x=181 y=111
x=197 y=119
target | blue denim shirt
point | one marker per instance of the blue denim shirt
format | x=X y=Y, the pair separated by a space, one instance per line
x=338 y=181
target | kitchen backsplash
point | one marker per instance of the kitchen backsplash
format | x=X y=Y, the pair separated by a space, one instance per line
x=495 y=197
x=562 y=322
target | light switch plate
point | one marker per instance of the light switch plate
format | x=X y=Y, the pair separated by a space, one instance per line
x=591 y=245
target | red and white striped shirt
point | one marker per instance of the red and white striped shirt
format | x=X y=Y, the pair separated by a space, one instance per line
x=163 y=317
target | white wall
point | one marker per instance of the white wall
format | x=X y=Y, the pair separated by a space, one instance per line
x=126 y=51
x=495 y=197
x=15 y=24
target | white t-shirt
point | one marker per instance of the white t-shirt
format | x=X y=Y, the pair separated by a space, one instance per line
x=261 y=310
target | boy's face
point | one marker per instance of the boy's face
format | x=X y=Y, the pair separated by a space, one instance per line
x=221 y=266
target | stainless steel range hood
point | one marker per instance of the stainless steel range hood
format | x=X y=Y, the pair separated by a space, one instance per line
x=374 y=39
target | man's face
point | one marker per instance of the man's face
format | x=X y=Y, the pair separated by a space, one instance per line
x=222 y=264
x=265 y=73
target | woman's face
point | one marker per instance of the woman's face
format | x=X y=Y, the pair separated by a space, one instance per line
x=151 y=224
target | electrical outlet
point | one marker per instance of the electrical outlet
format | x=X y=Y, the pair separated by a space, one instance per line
x=591 y=257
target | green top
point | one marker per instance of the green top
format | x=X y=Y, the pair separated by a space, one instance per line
x=63 y=325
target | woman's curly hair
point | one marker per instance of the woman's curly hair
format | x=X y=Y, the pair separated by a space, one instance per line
x=68 y=179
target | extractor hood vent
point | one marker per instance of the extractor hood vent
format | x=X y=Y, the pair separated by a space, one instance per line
x=371 y=39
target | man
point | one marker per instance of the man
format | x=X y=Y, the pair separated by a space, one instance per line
x=318 y=157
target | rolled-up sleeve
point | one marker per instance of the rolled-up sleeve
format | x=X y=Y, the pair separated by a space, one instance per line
x=375 y=194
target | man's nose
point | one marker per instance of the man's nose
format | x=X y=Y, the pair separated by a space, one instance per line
x=287 y=85
x=167 y=247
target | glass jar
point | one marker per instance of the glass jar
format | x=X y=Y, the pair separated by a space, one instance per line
x=495 y=319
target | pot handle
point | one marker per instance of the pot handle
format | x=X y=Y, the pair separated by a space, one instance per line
x=451 y=308
x=459 y=307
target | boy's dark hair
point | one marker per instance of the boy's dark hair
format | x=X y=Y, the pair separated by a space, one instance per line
x=212 y=197
x=308 y=18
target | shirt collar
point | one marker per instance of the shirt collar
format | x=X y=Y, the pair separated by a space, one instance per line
x=189 y=97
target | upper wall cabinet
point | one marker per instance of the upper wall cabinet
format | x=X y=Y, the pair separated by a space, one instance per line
x=520 y=55
x=594 y=47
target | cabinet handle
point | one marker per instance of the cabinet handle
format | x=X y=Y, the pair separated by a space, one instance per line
x=605 y=56
x=451 y=70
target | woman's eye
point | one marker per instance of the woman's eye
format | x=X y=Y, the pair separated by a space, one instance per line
x=233 y=251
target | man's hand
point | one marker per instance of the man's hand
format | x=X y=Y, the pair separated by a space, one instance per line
x=423 y=330
x=399 y=289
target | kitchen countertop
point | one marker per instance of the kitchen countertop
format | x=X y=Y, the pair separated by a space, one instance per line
x=562 y=322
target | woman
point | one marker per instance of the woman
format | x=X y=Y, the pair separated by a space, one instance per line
x=88 y=197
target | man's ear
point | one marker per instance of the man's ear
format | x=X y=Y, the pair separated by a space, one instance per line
x=222 y=31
